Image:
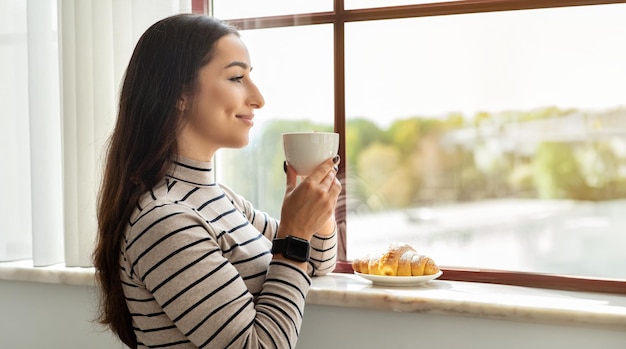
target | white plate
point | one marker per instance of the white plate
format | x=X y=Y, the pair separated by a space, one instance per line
x=399 y=280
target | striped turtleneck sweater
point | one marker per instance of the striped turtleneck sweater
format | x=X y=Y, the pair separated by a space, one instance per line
x=197 y=271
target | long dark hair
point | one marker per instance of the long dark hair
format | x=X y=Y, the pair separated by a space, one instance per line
x=164 y=64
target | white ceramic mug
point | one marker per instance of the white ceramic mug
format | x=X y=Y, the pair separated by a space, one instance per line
x=306 y=150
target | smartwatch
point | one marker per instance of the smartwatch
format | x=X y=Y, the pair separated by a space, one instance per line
x=293 y=248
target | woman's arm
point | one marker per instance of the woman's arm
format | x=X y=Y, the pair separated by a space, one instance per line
x=323 y=243
x=323 y=252
x=174 y=254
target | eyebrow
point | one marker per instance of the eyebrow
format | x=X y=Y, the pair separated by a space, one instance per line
x=238 y=64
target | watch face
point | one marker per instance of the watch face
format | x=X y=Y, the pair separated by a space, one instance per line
x=297 y=249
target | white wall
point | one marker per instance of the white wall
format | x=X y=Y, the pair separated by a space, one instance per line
x=358 y=328
x=51 y=316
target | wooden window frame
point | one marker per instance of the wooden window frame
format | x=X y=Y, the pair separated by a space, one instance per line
x=338 y=17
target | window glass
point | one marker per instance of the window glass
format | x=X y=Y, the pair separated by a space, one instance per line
x=293 y=69
x=494 y=140
x=233 y=9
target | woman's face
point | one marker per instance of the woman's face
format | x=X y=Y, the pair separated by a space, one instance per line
x=223 y=105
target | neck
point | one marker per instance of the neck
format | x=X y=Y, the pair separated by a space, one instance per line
x=196 y=153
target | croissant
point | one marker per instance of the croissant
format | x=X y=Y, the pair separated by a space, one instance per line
x=398 y=260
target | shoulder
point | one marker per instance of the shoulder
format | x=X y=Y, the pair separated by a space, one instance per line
x=162 y=217
x=159 y=208
x=237 y=200
x=162 y=230
x=168 y=225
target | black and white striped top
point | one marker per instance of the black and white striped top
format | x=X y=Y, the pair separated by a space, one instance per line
x=197 y=269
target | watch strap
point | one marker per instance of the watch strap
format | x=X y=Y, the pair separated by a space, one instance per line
x=292 y=248
x=278 y=245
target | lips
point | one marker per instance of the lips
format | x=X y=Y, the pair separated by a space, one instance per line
x=246 y=118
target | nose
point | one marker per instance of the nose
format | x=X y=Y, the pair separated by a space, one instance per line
x=256 y=98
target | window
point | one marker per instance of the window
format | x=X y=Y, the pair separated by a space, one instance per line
x=490 y=135
x=299 y=55
x=61 y=62
x=247 y=8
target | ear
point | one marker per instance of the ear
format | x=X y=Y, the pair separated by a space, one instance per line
x=181 y=104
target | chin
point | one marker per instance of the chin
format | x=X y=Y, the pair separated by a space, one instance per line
x=240 y=143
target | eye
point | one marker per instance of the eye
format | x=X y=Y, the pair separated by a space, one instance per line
x=237 y=78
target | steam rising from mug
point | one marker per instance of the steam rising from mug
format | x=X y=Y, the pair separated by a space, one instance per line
x=306 y=150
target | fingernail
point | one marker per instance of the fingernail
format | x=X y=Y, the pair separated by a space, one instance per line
x=336 y=168
x=336 y=159
x=285 y=166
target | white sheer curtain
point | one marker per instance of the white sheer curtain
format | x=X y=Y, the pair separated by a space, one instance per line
x=15 y=187
x=62 y=62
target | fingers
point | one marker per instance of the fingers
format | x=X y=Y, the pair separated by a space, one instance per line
x=321 y=172
x=329 y=182
x=332 y=186
x=329 y=179
x=335 y=188
x=309 y=202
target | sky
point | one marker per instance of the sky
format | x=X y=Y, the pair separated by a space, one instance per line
x=569 y=58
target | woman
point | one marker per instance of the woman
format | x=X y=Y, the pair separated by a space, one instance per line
x=182 y=261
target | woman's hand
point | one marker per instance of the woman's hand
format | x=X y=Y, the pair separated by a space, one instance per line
x=309 y=205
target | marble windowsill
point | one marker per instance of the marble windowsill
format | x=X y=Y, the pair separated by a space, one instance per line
x=56 y=274
x=436 y=297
